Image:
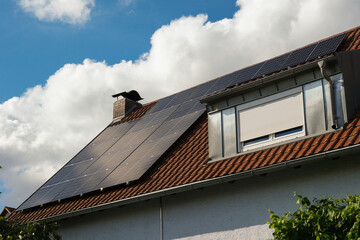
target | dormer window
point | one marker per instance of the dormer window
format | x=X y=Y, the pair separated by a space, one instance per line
x=285 y=110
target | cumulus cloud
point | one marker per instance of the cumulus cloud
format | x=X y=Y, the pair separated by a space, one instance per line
x=47 y=125
x=68 y=11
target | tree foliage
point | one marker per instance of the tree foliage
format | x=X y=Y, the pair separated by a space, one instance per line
x=10 y=230
x=33 y=231
x=323 y=219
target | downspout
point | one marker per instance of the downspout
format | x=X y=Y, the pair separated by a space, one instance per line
x=161 y=219
x=322 y=65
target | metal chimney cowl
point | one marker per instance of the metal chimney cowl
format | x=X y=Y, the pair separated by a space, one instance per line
x=123 y=107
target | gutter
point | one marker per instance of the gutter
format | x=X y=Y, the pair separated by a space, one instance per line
x=271 y=78
x=322 y=66
x=210 y=182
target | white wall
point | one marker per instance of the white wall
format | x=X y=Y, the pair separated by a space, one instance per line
x=136 y=221
x=228 y=211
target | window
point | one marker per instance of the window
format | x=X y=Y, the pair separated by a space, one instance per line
x=271 y=119
x=222 y=133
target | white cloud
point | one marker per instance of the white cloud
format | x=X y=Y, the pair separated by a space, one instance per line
x=68 y=11
x=46 y=126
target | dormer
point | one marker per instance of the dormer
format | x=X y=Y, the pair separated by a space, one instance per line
x=287 y=106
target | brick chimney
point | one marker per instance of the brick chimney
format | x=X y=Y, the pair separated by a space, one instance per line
x=123 y=106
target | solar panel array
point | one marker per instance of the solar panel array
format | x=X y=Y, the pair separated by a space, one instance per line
x=282 y=62
x=124 y=152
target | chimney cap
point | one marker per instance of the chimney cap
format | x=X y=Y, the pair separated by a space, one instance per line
x=132 y=95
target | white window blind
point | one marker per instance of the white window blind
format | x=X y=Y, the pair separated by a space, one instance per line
x=270 y=115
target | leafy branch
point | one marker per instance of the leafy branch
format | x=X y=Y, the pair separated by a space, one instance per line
x=324 y=218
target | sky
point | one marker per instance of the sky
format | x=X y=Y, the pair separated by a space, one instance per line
x=61 y=60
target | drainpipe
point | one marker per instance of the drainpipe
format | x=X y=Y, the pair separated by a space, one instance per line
x=322 y=65
x=161 y=220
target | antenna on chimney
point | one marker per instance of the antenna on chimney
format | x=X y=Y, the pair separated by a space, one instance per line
x=132 y=95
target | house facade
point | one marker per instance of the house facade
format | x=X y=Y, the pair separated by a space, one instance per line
x=211 y=161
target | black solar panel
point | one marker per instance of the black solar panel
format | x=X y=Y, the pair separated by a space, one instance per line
x=180 y=97
x=298 y=56
x=222 y=82
x=202 y=90
x=233 y=78
x=161 y=104
x=51 y=192
x=110 y=160
x=91 y=184
x=272 y=65
x=118 y=153
x=172 y=100
x=69 y=172
x=86 y=157
x=246 y=74
x=34 y=199
x=148 y=153
x=326 y=47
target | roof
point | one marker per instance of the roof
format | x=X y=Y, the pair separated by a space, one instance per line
x=185 y=162
x=7 y=211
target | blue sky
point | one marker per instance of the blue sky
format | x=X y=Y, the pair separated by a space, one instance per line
x=32 y=50
x=61 y=60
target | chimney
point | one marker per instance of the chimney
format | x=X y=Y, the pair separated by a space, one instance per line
x=124 y=106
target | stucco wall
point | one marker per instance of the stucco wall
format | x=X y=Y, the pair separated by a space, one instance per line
x=136 y=221
x=236 y=210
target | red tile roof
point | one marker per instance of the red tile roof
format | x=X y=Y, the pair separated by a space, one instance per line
x=6 y=211
x=186 y=161
x=351 y=41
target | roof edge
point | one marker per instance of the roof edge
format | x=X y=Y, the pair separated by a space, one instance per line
x=209 y=182
x=263 y=80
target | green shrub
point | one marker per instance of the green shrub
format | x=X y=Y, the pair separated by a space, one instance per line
x=323 y=219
